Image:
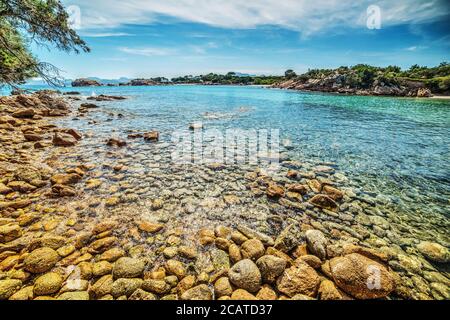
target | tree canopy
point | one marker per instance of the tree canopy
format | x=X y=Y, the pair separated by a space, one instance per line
x=44 y=22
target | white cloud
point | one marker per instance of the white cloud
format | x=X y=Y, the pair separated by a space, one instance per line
x=415 y=48
x=202 y=49
x=305 y=16
x=105 y=34
x=148 y=51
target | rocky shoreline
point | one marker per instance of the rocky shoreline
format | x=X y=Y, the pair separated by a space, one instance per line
x=75 y=230
x=336 y=84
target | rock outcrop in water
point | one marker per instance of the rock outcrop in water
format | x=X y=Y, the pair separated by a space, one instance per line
x=337 y=83
x=84 y=82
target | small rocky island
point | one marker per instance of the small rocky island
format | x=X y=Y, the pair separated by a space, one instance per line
x=84 y=82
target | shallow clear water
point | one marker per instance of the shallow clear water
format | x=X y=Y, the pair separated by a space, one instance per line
x=396 y=148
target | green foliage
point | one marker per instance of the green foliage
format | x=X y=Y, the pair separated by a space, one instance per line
x=227 y=79
x=439 y=84
x=44 y=22
x=289 y=74
x=16 y=62
x=363 y=76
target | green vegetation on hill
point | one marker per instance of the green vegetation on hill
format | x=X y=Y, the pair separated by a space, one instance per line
x=229 y=78
x=364 y=76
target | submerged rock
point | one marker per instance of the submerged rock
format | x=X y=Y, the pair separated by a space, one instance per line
x=289 y=238
x=434 y=251
x=317 y=243
x=323 y=201
x=151 y=136
x=64 y=140
x=361 y=277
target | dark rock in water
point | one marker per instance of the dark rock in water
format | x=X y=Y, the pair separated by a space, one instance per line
x=83 y=82
x=64 y=140
x=104 y=97
x=72 y=93
x=323 y=201
x=142 y=82
x=196 y=126
x=275 y=191
x=434 y=251
x=289 y=238
x=88 y=106
x=116 y=142
x=317 y=243
x=73 y=133
x=253 y=234
x=135 y=135
x=151 y=136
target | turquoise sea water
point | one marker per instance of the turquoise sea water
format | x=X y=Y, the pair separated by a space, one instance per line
x=397 y=148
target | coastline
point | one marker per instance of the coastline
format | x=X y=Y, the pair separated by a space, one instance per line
x=433 y=96
x=70 y=216
x=436 y=97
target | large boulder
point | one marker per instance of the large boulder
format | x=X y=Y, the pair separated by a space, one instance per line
x=299 y=279
x=271 y=267
x=41 y=260
x=252 y=249
x=63 y=140
x=24 y=113
x=47 y=284
x=434 y=251
x=362 y=277
x=245 y=275
x=424 y=93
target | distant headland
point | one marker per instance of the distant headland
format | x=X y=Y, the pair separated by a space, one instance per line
x=360 y=79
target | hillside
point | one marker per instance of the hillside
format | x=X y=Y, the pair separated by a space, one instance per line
x=368 y=80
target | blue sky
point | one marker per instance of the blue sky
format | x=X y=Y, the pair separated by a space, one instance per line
x=147 y=38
